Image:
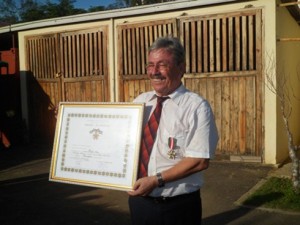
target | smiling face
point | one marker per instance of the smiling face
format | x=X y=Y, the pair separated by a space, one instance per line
x=164 y=73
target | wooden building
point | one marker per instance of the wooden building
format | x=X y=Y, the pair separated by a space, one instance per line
x=230 y=45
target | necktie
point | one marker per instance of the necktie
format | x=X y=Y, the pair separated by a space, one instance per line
x=148 y=137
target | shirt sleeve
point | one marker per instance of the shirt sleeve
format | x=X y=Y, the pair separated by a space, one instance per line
x=203 y=137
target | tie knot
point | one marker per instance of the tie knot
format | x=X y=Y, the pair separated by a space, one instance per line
x=160 y=99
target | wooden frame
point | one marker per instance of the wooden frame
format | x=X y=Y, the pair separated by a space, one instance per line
x=97 y=144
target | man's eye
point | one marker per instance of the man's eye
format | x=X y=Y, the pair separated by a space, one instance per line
x=159 y=66
x=162 y=66
x=150 y=66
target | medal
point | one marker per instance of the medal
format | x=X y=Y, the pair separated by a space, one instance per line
x=172 y=144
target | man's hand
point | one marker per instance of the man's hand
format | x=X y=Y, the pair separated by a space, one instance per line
x=144 y=186
x=185 y=167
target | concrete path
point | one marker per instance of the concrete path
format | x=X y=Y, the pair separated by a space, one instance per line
x=28 y=198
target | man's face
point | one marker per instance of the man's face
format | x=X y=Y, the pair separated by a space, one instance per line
x=164 y=74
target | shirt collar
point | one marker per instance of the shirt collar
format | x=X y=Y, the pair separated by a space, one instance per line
x=174 y=95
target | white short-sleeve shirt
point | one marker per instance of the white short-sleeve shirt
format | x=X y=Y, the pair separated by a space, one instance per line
x=188 y=119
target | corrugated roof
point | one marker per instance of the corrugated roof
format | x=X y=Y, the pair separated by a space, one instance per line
x=117 y=13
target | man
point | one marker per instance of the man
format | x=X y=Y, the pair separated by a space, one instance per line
x=185 y=141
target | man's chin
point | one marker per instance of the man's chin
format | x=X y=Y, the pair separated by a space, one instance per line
x=161 y=91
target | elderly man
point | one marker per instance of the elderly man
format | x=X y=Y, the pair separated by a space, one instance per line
x=179 y=138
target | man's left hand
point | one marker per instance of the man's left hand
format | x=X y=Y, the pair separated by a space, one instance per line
x=144 y=186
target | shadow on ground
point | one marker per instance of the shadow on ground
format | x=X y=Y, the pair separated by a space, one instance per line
x=35 y=201
x=19 y=154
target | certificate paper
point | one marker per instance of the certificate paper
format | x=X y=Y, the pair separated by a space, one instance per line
x=97 y=144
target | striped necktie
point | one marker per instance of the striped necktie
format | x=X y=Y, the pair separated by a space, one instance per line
x=148 y=137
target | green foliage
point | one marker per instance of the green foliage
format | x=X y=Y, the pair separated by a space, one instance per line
x=31 y=10
x=96 y=8
x=276 y=193
x=8 y=12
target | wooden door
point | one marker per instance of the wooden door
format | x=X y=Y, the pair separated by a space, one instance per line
x=44 y=88
x=223 y=64
x=69 y=66
x=83 y=66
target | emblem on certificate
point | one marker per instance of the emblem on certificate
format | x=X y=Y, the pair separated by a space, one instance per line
x=96 y=133
x=172 y=145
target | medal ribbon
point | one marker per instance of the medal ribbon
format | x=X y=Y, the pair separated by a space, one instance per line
x=171 y=143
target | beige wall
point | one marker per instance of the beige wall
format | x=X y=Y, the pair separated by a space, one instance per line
x=288 y=63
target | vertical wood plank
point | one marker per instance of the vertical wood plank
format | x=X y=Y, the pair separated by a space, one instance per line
x=251 y=48
x=134 y=53
x=51 y=48
x=155 y=32
x=205 y=46
x=234 y=117
x=73 y=55
x=202 y=88
x=242 y=115
x=97 y=52
x=35 y=62
x=164 y=30
x=143 y=50
x=147 y=43
x=126 y=91
x=46 y=59
x=193 y=47
x=211 y=91
x=237 y=44
x=199 y=46
x=217 y=109
x=70 y=67
x=225 y=116
x=224 y=45
x=218 y=45
x=88 y=87
x=82 y=55
x=102 y=49
x=211 y=41
x=131 y=90
x=250 y=115
x=244 y=50
x=125 y=55
x=129 y=46
x=90 y=49
x=187 y=47
x=138 y=51
x=78 y=62
x=86 y=59
x=230 y=45
x=160 y=30
x=151 y=35
x=38 y=59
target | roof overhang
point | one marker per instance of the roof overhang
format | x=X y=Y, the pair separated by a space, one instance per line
x=294 y=8
x=116 y=13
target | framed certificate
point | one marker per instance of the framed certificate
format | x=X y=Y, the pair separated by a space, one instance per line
x=97 y=144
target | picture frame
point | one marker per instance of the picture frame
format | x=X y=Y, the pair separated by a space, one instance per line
x=97 y=144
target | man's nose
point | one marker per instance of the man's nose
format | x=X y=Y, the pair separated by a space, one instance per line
x=156 y=69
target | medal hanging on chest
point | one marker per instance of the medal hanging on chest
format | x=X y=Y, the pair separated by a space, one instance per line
x=172 y=144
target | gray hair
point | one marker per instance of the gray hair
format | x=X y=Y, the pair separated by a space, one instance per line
x=172 y=45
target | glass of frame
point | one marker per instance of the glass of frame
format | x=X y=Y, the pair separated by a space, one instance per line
x=97 y=144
